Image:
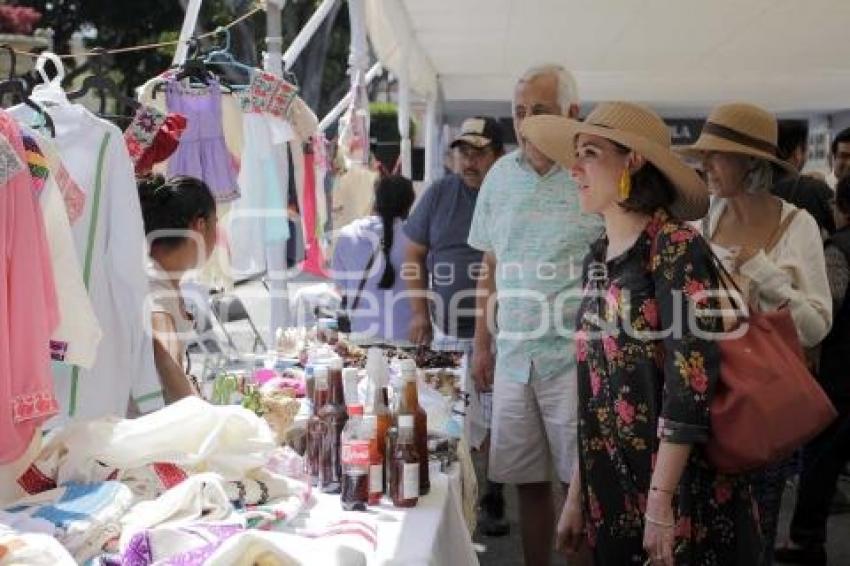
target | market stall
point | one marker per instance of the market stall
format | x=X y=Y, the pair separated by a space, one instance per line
x=275 y=457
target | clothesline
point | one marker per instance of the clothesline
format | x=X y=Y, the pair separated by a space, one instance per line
x=240 y=19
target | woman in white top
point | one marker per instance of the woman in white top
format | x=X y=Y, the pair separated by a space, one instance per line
x=180 y=223
x=772 y=249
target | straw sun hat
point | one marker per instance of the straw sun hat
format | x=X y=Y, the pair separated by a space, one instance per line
x=740 y=128
x=633 y=126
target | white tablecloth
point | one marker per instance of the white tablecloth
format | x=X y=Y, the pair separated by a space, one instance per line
x=432 y=533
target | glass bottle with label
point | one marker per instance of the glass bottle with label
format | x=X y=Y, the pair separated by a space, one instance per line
x=315 y=426
x=356 y=457
x=334 y=417
x=376 y=461
x=380 y=409
x=404 y=472
x=409 y=405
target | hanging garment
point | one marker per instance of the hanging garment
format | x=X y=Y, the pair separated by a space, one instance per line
x=110 y=241
x=29 y=312
x=76 y=339
x=231 y=116
x=260 y=218
x=152 y=137
x=202 y=152
x=353 y=196
x=314 y=261
x=321 y=162
x=72 y=193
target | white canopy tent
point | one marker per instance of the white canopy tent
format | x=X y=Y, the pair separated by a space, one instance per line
x=679 y=56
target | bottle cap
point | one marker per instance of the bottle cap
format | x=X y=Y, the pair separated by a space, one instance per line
x=405 y=421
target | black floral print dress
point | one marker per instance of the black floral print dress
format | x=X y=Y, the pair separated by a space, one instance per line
x=647 y=367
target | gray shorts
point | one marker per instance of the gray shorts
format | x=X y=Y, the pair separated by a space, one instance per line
x=534 y=429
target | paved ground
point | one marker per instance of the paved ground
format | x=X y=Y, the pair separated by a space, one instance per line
x=507 y=550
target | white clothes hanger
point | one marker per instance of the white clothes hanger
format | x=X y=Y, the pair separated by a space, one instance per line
x=49 y=91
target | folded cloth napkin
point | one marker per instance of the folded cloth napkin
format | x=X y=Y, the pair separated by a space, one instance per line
x=197 y=498
x=184 y=545
x=33 y=549
x=86 y=516
x=259 y=548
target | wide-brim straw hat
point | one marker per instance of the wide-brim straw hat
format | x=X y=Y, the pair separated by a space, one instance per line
x=740 y=128
x=633 y=126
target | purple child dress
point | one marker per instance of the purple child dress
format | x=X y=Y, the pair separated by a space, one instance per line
x=202 y=152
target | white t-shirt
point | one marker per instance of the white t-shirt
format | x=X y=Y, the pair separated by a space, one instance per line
x=166 y=298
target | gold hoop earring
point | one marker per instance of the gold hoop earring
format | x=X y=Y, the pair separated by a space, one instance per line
x=625 y=184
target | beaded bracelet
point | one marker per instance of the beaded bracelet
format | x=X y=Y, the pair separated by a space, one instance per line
x=662 y=490
x=658 y=523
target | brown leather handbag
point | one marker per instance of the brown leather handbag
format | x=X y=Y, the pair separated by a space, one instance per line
x=766 y=403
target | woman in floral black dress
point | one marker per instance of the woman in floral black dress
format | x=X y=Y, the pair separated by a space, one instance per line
x=647 y=363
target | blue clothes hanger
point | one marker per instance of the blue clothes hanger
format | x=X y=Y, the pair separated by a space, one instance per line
x=223 y=56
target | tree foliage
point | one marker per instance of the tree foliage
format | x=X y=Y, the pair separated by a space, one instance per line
x=320 y=70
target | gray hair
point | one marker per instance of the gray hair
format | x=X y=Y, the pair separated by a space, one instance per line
x=567 y=88
x=759 y=177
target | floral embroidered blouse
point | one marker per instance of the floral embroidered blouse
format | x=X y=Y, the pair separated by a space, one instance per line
x=646 y=371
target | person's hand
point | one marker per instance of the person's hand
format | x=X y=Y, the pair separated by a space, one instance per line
x=569 y=535
x=420 y=331
x=483 y=366
x=659 y=531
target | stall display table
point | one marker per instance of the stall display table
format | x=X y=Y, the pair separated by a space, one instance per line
x=433 y=532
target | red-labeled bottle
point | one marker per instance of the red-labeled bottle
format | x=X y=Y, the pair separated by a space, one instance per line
x=355 y=459
x=404 y=479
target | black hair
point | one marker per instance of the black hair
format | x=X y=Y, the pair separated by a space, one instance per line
x=792 y=135
x=842 y=195
x=651 y=189
x=842 y=137
x=173 y=205
x=393 y=198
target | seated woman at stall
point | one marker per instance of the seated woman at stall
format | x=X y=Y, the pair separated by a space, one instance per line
x=367 y=263
x=180 y=223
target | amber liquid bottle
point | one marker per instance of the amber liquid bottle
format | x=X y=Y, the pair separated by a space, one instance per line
x=409 y=405
x=377 y=479
x=315 y=426
x=404 y=472
x=334 y=417
x=381 y=411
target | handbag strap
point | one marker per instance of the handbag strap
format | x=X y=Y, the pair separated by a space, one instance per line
x=363 y=279
x=780 y=230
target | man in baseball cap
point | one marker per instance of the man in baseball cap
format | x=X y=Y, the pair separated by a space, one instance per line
x=440 y=267
x=477 y=147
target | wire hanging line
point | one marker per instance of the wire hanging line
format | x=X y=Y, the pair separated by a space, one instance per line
x=99 y=52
